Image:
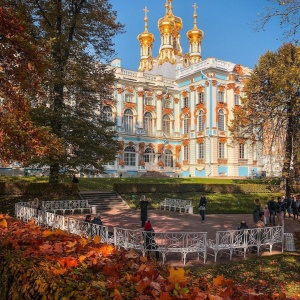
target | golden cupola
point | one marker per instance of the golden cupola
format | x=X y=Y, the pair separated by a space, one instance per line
x=146 y=40
x=195 y=37
x=169 y=27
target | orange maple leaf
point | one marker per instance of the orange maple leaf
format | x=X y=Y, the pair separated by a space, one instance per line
x=59 y=271
x=3 y=223
x=176 y=275
x=106 y=249
x=68 y=262
x=219 y=280
x=165 y=296
x=82 y=258
x=97 y=239
x=145 y=282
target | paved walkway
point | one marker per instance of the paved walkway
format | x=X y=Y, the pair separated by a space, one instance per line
x=165 y=221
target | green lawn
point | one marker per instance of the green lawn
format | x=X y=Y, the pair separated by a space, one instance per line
x=266 y=275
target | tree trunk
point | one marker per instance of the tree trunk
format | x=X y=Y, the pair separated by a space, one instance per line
x=54 y=173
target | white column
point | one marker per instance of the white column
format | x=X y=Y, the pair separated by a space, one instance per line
x=176 y=115
x=159 y=112
x=192 y=109
x=140 y=109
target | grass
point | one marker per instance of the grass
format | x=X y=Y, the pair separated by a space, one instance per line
x=267 y=275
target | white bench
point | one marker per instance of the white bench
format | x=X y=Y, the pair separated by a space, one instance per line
x=71 y=206
x=241 y=240
x=183 y=243
x=177 y=204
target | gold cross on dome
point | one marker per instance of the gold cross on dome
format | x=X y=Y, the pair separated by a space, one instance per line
x=195 y=8
x=146 y=11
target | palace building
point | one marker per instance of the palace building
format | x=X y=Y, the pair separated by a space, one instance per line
x=172 y=114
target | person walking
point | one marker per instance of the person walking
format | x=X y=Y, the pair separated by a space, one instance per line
x=280 y=208
x=149 y=240
x=295 y=206
x=272 y=210
x=266 y=214
x=144 y=209
x=256 y=211
x=202 y=207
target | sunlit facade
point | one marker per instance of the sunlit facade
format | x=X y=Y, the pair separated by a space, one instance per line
x=172 y=114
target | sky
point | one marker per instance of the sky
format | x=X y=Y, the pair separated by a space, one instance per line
x=227 y=25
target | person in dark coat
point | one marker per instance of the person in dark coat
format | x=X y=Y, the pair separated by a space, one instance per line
x=256 y=211
x=144 y=209
x=149 y=240
x=202 y=207
x=97 y=220
x=75 y=179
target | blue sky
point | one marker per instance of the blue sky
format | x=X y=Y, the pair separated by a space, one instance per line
x=227 y=25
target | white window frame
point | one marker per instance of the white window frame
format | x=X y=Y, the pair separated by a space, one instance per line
x=201 y=150
x=186 y=124
x=221 y=152
x=200 y=97
x=166 y=124
x=107 y=114
x=221 y=96
x=186 y=102
x=186 y=152
x=130 y=156
x=168 y=158
x=221 y=120
x=128 y=120
x=201 y=121
x=148 y=122
x=236 y=99
x=241 y=151
x=149 y=155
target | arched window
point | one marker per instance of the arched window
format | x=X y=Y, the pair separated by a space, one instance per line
x=201 y=121
x=221 y=118
x=149 y=155
x=148 y=123
x=186 y=124
x=128 y=120
x=107 y=114
x=168 y=158
x=129 y=156
x=166 y=124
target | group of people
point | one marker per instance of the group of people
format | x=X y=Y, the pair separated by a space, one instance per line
x=283 y=208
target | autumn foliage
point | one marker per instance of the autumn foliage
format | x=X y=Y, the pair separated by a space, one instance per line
x=22 y=67
x=38 y=263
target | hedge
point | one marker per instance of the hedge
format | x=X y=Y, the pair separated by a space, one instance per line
x=128 y=188
x=40 y=188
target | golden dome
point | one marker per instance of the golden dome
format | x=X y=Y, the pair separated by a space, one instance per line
x=195 y=34
x=177 y=20
x=166 y=23
x=146 y=37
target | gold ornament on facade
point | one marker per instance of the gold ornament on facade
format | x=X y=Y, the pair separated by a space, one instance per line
x=200 y=89
x=177 y=151
x=200 y=161
x=222 y=161
x=200 y=106
x=149 y=108
x=131 y=144
x=214 y=82
x=141 y=93
x=185 y=162
x=221 y=88
x=238 y=69
x=192 y=88
x=129 y=105
x=222 y=140
x=176 y=100
x=167 y=111
x=177 y=164
x=200 y=140
x=230 y=86
x=207 y=83
x=130 y=89
x=185 y=142
x=169 y=147
x=185 y=110
x=121 y=145
x=160 y=148
x=141 y=148
x=231 y=77
x=159 y=97
x=185 y=94
x=120 y=90
x=237 y=90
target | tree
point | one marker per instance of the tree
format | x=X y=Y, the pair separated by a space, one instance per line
x=79 y=36
x=287 y=11
x=21 y=68
x=271 y=106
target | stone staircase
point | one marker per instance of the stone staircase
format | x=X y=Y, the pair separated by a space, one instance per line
x=104 y=200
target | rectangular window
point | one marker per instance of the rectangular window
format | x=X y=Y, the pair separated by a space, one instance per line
x=129 y=159
x=129 y=98
x=200 y=98
x=201 y=151
x=186 y=102
x=148 y=101
x=236 y=99
x=185 y=152
x=241 y=151
x=221 y=96
x=221 y=150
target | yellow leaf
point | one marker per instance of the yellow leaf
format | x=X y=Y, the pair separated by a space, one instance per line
x=83 y=241
x=176 y=275
x=3 y=223
x=97 y=239
x=81 y=258
x=143 y=259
